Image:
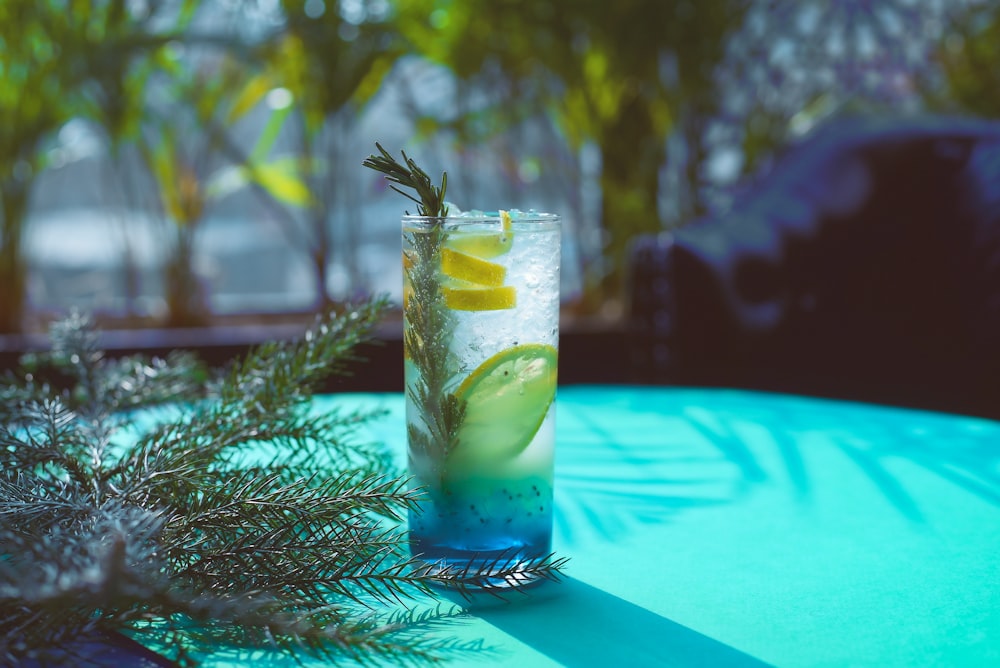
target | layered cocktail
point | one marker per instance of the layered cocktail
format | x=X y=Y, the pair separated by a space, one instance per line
x=481 y=330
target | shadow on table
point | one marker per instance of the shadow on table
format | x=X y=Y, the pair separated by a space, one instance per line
x=758 y=437
x=620 y=473
x=576 y=624
x=958 y=449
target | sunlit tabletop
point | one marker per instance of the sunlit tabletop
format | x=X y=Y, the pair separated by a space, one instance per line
x=732 y=528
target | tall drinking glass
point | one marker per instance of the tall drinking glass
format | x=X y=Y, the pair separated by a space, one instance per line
x=481 y=332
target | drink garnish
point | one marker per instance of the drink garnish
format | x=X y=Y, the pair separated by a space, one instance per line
x=430 y=324
x=506 y=399
x=472 y=269
x=485 y=245
x=483 y=288
x=409 y=175
x=475 y=298
x=519 y=380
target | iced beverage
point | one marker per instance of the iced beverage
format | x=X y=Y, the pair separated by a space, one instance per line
x=481 y=330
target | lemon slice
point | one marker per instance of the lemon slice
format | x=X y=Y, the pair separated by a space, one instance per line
x=408 y=263
x=506 y=398
x=470 y=268
x=476 y=298
x=484 y=245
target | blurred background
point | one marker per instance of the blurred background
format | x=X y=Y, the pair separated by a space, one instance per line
x=190 y=163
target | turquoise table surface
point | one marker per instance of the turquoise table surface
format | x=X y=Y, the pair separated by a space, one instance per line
x=732 y=528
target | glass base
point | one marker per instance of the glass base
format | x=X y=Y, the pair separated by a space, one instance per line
x=495 y=570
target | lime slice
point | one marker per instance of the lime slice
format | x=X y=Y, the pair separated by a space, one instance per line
x=484 y=245
x=470 y=268
x=475 y=298
x=506 y=398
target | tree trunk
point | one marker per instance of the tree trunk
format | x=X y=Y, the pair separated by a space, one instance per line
x=187 y=302
x=13 y=268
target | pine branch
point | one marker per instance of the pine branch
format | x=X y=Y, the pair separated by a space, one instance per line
x=236 y=518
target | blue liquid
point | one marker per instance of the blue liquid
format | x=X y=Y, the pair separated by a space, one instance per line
x=483 y=519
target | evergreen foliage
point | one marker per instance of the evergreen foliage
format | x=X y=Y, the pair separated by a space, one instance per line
x=199 y=510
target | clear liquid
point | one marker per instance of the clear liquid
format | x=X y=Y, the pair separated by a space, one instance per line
x=499 y=506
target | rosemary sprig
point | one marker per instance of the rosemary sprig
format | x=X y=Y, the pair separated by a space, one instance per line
x=430 y=324
x=429 y=200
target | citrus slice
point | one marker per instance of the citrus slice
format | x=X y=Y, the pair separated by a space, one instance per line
x=408 y=263
x=484 y=245
x=506 y=398
x=470 y=268
x=480 y=244
x=475 y=298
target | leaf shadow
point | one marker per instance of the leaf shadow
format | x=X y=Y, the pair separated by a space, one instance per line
x=611 y=480
x=955 y=448
x=571 y=623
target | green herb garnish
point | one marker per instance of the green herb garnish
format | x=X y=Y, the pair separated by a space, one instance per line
x=429 y=199
x=430 y=324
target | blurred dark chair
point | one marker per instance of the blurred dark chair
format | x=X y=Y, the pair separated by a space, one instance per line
x=865 y=266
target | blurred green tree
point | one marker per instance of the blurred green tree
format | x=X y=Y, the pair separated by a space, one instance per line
x=28 y=56
x=317 y=70
x=60 y=61
x=616 y=75
x=332 y=62
x=46 y=50
x=640 y=83
x=183 y=139
x=969 y=56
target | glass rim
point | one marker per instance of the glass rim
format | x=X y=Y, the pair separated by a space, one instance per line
x=485 y=217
